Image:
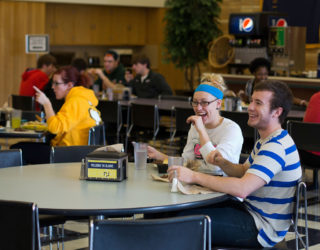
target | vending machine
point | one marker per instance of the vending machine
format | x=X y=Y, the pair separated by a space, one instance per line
x=267 y=35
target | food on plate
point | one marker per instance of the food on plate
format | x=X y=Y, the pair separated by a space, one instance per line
x=35 y=125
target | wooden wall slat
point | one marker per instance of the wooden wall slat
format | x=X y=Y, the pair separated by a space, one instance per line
x=16 y=20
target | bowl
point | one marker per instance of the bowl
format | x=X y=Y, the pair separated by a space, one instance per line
x=162 y=168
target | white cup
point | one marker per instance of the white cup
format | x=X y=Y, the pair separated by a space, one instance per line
x=175 y=161
x=140 y=155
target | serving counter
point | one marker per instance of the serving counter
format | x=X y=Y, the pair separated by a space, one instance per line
x=301 y=87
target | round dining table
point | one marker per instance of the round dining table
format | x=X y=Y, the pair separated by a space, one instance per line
x=57 y=189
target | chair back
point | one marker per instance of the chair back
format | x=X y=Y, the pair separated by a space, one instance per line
x=19 y=225
x=111 y=113
x=28 y=115
x=23 y=102
x=10 y=158
x=144 y=117
x=306 y=135
x=70 y=153
x=97 y=135
x=181 y=115
x=188 y=233
x=175 y=98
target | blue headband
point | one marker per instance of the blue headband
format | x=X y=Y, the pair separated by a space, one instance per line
x=211 y=90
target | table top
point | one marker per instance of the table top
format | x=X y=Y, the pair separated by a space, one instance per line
x=57 y=189
x=11 y=133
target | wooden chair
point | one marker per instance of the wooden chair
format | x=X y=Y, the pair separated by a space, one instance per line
x=187 y=233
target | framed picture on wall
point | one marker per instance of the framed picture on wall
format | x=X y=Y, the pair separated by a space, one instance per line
x=37 y=43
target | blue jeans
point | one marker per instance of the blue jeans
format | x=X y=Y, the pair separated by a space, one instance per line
x=231 y=224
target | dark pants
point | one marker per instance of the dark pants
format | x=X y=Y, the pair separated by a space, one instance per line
x=231 y=224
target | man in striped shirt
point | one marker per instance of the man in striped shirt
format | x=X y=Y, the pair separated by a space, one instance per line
x=266 y=181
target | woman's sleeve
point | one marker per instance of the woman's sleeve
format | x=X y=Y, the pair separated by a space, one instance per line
x=69 y=115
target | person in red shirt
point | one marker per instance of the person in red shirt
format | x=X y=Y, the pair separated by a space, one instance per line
x=312 y=115
x=37 y=77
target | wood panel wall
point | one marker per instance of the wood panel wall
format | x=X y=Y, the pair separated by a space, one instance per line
x=16 y=20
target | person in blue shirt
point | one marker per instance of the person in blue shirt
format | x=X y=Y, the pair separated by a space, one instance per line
x=266 y=181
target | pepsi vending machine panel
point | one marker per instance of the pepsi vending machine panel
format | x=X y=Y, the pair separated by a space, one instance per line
x=251 y=34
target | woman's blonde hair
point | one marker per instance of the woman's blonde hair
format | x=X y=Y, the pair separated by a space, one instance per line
x=215 y=80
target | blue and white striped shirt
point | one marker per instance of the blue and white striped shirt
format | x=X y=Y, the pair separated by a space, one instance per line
x=275 y=159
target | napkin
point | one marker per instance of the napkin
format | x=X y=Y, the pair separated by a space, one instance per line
x=112 y=148
x=183 y=188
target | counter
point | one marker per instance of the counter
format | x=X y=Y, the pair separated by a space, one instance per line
x=301 y=87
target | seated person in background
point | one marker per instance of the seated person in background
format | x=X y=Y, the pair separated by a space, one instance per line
x=77 y=115
x=113 y=71
x=312 y=115
x=209 y=131
x=37 y=77
x=267 y=180
x=81 y=65
x=260 y=69
x=147 y=84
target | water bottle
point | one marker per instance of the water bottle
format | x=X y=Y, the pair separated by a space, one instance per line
x=239 y=107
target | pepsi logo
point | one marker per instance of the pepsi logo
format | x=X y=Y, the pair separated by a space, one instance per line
x=247 y=24
x=281 y=22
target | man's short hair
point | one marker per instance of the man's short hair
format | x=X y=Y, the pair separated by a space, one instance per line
x=259 y=62
x=142 y=59
x=282 y=96
x=112 y=53
x=47 y=60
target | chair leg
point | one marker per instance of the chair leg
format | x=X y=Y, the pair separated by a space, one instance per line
x=302 y=189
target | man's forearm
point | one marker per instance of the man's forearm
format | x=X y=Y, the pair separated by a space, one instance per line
x=231 y=169
x=106 y=82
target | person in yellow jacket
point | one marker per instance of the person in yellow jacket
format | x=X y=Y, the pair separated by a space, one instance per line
x=77 y=115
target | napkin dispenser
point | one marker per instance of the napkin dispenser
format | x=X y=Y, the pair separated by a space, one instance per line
x=105 y=166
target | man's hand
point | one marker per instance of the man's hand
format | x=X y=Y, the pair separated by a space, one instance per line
x=41 y=97
x=99 y=72
x=215 y=158
x=182 y=174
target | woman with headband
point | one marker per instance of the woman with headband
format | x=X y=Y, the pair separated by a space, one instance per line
x=209 y=131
